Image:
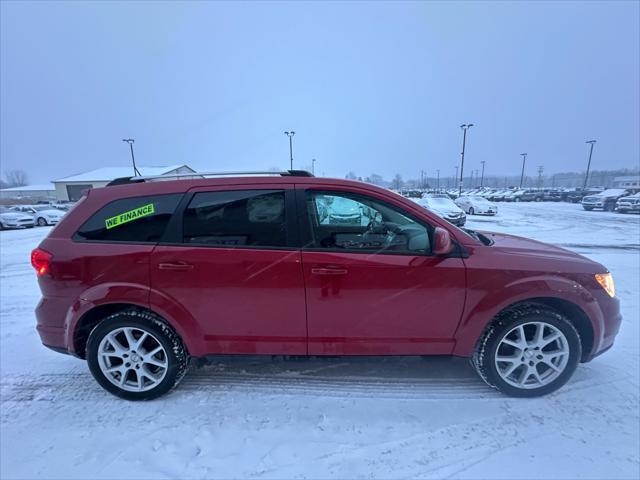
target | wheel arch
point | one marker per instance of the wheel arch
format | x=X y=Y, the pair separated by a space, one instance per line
x=574 y=313
x=92 y=317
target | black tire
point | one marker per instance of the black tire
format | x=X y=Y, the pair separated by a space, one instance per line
x=517 y=199
x=177 y=356
x=610 y=207
x=484 y=357
x=471 y=210
x=42 y=222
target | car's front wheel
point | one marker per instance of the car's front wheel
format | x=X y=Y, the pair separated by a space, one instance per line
x=528 y=351
x=42 y=222
x=135 y=355
x=471 y=211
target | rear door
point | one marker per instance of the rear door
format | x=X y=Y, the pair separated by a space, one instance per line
x=231 y=259
x=372 y=285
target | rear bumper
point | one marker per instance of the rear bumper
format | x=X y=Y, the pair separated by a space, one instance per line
x=51 y=322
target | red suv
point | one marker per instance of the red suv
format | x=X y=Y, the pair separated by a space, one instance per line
x=141 y=276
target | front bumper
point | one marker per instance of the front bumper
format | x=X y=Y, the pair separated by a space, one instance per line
x=628 y=207
x=458 y=222
x=491 y=211
x=19 y=224
x=611 y=319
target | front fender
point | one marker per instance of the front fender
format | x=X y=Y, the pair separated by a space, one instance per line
x=482 y=306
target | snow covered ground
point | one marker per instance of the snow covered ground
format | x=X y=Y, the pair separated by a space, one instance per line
x=329 y=418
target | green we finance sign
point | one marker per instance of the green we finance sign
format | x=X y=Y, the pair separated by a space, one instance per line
x=129 y=216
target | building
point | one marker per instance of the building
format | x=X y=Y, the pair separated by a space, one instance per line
x=70 y=188
x=32 y=193
x=631 y=181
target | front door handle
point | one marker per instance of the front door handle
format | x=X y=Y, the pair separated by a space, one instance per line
x=329 y=271
x=179 y=266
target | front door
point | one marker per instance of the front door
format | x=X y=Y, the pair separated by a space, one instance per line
x=372 y=285
x=234 y=266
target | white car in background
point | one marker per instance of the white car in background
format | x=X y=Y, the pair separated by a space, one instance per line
x=43 y=215
x=476 y=205
x=12 y=219
x=444 y=207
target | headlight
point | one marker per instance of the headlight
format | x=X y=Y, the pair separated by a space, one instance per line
x=606 y=281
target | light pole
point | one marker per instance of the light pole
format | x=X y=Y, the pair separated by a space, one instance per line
x=464 y=127
x=524 y=159
x=313 y=166
x=133 y=159
x=456 y=179
x=482 y=177
x=540 y=170
x=290 y=135
x=586 y=177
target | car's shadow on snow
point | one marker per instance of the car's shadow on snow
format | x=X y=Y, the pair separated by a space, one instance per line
x=397 y=377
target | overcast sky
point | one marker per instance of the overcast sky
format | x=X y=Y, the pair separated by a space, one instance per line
x=369 y=87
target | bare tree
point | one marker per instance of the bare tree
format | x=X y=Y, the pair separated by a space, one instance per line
x=397 y=182
x=375 y=179
x=15 y=178
x=351 y=176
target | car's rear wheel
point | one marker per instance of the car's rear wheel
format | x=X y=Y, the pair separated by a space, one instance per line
x=42 y=222
x=471 y=211
x=136 y=356
x=528 y=351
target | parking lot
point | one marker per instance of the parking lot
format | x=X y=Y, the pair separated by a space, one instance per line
x=335 y=417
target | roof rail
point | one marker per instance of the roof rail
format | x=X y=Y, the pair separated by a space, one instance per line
x=189 y=175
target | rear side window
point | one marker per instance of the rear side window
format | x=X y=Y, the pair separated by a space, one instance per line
x=239 y=218
x=134 y=220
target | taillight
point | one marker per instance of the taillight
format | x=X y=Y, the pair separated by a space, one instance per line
x=41 y=261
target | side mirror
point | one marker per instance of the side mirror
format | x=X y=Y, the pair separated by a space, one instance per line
x=442 y=244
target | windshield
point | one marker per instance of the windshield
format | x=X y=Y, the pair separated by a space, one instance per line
x=611 y=192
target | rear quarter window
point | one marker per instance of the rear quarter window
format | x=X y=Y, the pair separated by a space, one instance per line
x=132 y=220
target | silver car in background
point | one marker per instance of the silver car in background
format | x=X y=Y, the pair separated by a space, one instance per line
x=476 y=205
x=12 y=219
x=444 y=207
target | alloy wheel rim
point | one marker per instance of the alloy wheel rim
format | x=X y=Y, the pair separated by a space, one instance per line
x=132 y=359
x=532 y=355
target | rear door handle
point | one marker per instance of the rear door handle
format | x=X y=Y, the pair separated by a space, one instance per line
x=329 y=271
x=180 y=266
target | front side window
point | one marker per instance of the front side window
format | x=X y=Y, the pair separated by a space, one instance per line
x=342 y=221
x=247 y=218
x=134 y=220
